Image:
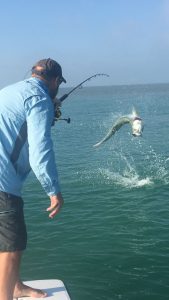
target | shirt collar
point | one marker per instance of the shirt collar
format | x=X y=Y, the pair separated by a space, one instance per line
x=39 y=82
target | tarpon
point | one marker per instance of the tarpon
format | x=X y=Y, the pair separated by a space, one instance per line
x=133 y=119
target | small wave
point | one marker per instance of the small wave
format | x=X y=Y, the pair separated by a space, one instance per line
x=130 y=181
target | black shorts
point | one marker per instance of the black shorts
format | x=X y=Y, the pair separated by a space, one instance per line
x=13 y=235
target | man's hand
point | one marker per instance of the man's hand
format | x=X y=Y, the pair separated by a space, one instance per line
x=56 y=204
x=57 y=103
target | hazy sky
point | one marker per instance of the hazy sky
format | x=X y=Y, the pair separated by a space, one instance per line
x=128 y=39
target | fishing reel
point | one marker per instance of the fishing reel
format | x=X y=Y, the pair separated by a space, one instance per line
x=58 y=113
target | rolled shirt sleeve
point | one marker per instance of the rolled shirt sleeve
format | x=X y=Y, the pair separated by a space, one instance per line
x=40 y=114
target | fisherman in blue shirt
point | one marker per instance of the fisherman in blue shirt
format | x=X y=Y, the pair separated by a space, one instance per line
x=26 y=117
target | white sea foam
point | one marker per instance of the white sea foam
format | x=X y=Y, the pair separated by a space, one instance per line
x=129 y=181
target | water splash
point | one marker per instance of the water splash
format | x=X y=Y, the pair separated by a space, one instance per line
x=155 y=165
x=131 y=165
x=144 y=167
x=125 y=180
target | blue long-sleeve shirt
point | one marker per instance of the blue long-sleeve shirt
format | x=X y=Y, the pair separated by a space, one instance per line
x=26 y=116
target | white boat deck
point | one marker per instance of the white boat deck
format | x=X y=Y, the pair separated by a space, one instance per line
x=54 y=288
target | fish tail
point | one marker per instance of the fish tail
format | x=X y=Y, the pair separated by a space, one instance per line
x=97 y=145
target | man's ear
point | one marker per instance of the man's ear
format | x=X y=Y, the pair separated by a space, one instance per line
x=53 y=81
x=57 y=80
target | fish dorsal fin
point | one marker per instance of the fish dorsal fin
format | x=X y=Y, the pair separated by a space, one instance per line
x=134 y=112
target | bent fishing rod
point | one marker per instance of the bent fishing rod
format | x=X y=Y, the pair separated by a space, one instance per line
x=61 y=99
x=80 y=85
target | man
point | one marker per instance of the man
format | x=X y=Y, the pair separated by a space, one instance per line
x=26 y=116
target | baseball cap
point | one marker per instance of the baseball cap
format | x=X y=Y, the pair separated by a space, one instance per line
x=48 y=68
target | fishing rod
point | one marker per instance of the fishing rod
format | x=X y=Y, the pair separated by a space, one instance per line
x=61 y=99
x=80 y=84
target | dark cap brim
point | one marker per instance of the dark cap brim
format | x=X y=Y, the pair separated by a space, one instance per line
x=63 y=79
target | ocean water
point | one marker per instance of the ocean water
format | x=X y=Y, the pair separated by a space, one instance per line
x=111 y=239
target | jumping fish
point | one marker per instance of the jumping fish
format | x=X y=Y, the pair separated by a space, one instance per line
x=133 y=119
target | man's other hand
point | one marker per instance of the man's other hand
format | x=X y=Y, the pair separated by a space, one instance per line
x=56 y=204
